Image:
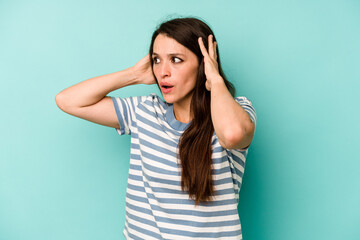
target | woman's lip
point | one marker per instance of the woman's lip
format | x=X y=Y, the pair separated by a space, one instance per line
x=166 y=90
x=166 y=84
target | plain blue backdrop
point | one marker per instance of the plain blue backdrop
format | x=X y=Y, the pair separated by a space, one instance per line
x=63 y=178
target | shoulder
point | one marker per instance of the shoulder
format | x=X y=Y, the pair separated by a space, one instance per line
x=243 y=100
x=137 y=100
x=153 y=97
x=154 y=100
x=247 y=105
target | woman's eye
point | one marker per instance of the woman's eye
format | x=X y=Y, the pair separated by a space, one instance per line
x=177 y=60
x=155 y=59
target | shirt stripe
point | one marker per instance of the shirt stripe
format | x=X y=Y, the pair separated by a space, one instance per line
x=156 y=207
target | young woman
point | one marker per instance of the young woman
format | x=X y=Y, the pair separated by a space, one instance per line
x=187 y=152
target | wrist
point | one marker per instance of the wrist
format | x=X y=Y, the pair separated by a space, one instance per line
x=216 y=81
x=132 y=76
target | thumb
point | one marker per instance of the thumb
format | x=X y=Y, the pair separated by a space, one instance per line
x=208 y=85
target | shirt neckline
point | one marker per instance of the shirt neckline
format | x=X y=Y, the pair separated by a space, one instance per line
x=173 y=122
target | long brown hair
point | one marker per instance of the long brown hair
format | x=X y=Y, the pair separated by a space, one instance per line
x=195 y=143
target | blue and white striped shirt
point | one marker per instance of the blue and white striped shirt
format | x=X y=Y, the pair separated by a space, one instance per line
x=156 y=207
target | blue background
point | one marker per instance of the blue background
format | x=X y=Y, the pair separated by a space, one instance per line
x=62 y=177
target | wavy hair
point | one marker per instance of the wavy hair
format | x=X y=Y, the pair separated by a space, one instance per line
x=195 y=142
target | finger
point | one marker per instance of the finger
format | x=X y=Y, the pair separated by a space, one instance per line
x=211 y=46
x=202 y=47
x=207 y=85
x=215 y=48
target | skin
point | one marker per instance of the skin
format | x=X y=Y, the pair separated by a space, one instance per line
x=88 y=99
x=232 y=124
x=178 y=66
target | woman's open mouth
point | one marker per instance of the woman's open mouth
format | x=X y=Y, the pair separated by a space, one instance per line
x=166 y=87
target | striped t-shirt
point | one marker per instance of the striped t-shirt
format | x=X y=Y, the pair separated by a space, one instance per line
x=156 y=207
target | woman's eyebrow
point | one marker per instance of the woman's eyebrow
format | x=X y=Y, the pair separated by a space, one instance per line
x=170 y=54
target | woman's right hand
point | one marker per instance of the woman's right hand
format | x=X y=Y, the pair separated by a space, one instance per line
x=143 y=72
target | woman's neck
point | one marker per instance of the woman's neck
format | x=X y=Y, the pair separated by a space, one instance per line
x=182 y=111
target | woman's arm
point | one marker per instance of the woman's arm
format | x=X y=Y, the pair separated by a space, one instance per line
x=88 y=100
x=232 y=124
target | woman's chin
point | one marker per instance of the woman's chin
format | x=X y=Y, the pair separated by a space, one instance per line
x=168 y=99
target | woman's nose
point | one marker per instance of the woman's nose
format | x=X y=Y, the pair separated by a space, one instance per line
x=165 y=70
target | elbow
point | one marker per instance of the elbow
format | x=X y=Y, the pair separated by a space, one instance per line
x=59 y=99
x=238 y=138
x=232 y=138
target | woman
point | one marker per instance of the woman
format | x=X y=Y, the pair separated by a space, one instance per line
x=187 y=152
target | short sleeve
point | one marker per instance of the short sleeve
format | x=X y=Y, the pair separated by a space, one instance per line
x=248 y=107
x=125 y=111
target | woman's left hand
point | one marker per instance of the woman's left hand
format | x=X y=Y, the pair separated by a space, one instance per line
x=210 y=61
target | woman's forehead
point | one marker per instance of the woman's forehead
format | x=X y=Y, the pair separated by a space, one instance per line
x=166 y=45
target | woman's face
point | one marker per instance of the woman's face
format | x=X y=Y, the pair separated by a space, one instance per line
x=175 y=68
